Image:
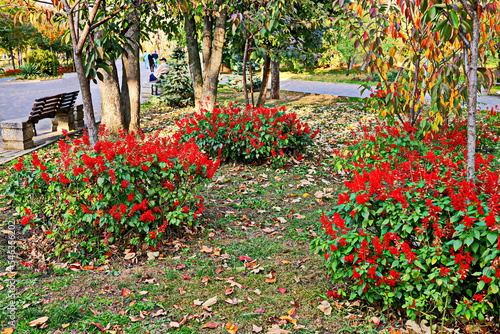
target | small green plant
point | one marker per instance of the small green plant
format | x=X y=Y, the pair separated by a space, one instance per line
x=175 y=86
x=247 y=134
x=29 y=71
x=46 y=61
x=235 y=82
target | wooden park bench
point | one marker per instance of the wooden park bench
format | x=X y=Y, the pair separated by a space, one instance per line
x=18 y=134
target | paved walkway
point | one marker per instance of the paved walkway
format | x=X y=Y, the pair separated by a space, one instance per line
x=17 y=97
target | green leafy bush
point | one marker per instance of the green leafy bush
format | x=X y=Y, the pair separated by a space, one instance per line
x=29 y=70
x=235 y=82
x=120 y=193
x=247 y=134
x=411 y=231
x=175 y=86
x=46 y=61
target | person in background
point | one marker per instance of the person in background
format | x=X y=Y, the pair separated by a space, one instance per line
x=145 y=59
x=162 y=69
x=151 y=62
x=155 y=57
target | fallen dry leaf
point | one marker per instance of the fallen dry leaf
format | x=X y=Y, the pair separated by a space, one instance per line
x=126 y=292
x=282 y=290
x=65 y=325
x=211 y=325
x=180 y=266
x=38 y=322
x=205 y=249
x=182 y=291
x=8 y=331
x=232 y=329
x=261 y=310
x=256 y=329
x=244 y=258
x=233 y=301
x=129 y=256
x=229 y=291
x=271 y=276
x=288 y=319
x=375 y=320
x=325 y=307
x=159 y=313
x=276 y=330
x=135 y=319
x=209 y=302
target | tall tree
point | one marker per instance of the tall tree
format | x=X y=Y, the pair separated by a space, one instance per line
x=204 y=24
x=443 y=40
x=87 y=21
x=14 y=35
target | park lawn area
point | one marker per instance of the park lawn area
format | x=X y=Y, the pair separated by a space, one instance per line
x=331 y=75
x=249 y=265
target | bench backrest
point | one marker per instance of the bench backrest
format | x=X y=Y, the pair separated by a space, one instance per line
x=49 y=106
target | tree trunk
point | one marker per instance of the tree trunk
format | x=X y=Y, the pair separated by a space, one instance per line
x=88 y=108
x=125 y=94
x=244 y=71
x=471 y=72
x=131 y=84
x=265 y=79
x=111 y=104
x=194 y=58
x=211 y=78
x=207 y=38
x=11 y=51
x=275 y=80
x=19 y=57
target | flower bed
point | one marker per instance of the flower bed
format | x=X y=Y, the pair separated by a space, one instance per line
x=11 y=73
x=247 y=134
x=122 y=193
x=410 y=231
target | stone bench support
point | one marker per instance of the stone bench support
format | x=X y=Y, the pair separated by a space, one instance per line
x=68 y=121
x=17 y=134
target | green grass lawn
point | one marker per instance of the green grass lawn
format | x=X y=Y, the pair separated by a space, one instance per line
x=331 y=75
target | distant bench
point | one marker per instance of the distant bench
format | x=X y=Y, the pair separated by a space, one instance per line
x=17 y=134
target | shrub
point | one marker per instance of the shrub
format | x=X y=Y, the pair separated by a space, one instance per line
x=247 y=134
x=29 y=70
x=176 y=87
x=62 y=70
x=235 y=82
x=46 y=61
x=120 y=193
x=411 y=231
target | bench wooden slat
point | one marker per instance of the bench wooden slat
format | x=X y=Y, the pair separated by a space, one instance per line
x=50 y=106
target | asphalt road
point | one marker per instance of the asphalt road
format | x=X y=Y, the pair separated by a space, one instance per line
x=17 y=96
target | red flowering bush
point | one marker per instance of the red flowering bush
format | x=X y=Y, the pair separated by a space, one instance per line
x=247 y=134
x=62 y=70
x=410 y=231
x=123 y=192
x=11 y=73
